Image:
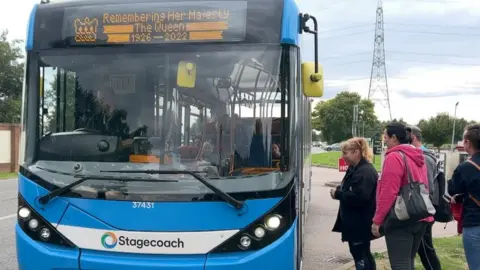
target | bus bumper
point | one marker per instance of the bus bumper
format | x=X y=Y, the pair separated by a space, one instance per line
x=32 y=255
x=280 y=255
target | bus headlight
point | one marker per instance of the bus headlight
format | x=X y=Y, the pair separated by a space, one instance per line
x=267 y=228
x=36 y=227
x=259 y=232
x=33 y=224
x=245 y=242
x=45 y=234
x=273 y=222
x=24 y=213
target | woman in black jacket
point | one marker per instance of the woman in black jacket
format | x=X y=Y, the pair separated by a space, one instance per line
x=357 y=202
x=466 y=183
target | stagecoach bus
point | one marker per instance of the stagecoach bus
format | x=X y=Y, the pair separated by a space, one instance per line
x=165 y=135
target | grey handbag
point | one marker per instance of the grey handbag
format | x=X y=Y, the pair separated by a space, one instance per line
x=412 y=203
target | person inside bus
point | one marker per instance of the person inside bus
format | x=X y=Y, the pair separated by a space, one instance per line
x=258 y=154
x=276 y=151
x=241 y=142
x=111 y=121
x=357 y=202
x=208 y=153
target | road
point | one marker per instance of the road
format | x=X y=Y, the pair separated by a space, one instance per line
x=323 y=249
x=8 y=200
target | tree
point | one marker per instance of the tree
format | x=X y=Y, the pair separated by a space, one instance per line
x=384 y=124
x=334 y=117
x=438 y=130
x=11 y=79
x=50 y=100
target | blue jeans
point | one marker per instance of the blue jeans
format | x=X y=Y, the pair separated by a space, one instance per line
x=471 y=244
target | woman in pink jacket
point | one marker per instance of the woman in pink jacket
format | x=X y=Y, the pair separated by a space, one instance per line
x=402 y=240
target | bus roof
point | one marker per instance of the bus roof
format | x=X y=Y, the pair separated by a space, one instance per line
x=54 y=25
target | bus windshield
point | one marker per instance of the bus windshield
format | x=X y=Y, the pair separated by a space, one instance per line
x=123 y=109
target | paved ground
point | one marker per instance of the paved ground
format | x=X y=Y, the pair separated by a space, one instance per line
x=323 y=249
x=8 y=200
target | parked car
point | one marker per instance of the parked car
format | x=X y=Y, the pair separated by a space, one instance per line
x=317 y=144
x=333 y=147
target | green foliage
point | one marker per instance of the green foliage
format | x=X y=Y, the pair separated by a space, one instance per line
x=438 y=130
x=50 y=99
x=384 y=124
x=10 y=110
x=334 y=117
x=330 y=160
x=11 y=79
x=449 y=251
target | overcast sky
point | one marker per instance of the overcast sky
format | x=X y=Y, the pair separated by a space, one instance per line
x=432 y=51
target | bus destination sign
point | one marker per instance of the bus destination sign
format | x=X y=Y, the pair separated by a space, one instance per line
x=153 y=23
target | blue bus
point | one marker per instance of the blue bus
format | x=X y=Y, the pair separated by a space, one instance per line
x=165 y=135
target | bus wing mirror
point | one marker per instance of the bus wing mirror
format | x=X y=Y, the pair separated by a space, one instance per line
x=312 y=82
x=186 y=74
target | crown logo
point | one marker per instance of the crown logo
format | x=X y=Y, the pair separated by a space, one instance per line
x=86 y=30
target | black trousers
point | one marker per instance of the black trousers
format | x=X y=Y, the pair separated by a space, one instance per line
x=403 y=244
x=362 y=255
x=426 y=251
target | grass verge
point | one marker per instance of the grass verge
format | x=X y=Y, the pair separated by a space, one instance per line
x=4 y=175
x=449 y=251
x=330 y=159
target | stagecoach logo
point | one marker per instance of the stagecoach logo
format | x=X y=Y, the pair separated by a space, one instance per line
x=109 y=240
x=86 y=30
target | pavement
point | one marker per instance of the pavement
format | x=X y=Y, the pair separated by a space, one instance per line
x=8 y=200
x=323 y=248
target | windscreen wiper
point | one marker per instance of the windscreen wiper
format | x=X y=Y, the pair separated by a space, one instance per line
x=223 y=195
x=82 y=178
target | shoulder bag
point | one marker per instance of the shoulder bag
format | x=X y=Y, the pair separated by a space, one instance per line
x=412 y=203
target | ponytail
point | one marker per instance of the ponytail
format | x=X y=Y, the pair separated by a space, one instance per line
x=366 y=151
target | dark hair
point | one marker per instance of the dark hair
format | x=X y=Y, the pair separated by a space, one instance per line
x=401 y=132
x=473 y=135
x=417 y=132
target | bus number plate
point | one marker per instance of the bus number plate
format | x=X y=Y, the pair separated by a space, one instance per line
x=147 y=205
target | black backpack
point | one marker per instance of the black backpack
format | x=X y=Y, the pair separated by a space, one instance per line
x=443 y=213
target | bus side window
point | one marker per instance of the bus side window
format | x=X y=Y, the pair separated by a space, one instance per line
x=57 y=113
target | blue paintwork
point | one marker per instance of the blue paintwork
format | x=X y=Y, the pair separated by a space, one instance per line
x=171 y=216
x=201 y=215
x=94 y=260
x=32 y=255
x=76 y=217
x=290 y=23
x=30 y=191
x=174 y=216
x=31 y=28
x=280 y=255
x=166 y=216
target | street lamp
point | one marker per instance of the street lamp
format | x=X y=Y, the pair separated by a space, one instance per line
x=453 y=131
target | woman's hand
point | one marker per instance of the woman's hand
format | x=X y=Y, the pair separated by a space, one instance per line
x=332 y=193
x=376 y=230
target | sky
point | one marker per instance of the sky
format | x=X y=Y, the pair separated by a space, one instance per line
x=431 y=47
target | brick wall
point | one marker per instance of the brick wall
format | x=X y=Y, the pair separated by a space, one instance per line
x=9 y=147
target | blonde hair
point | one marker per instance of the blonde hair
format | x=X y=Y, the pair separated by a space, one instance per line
x=359 y=144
